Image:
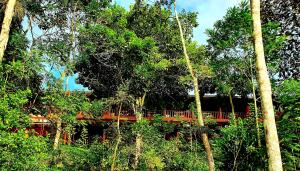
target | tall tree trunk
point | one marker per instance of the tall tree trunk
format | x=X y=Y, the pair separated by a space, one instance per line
x=112 y=168
x=72 y=41
x=58 y=120
x=138 y=140
x=197 y=98
x=138 y=144
x=58 y=133
x=272 y=143
x=4 y=35
x=255 y=105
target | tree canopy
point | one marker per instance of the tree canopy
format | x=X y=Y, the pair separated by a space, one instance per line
x=139 y=67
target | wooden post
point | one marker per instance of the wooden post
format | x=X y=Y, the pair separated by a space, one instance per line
x=43 y=130
x=104 y=135
x=65 y=138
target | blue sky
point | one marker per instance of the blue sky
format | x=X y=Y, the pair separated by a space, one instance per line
x=209 y=11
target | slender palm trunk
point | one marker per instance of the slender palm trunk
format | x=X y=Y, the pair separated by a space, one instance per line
x=112 y=168
x=255 y=105
x=58 y=134
x=272 y=143
x=198 y=102
x=4 y=35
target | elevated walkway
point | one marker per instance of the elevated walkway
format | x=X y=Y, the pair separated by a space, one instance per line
x=167 y=115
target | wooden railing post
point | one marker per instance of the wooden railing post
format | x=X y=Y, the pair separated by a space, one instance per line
x=65 y=137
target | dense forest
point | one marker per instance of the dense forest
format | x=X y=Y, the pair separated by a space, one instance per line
x=153 y=97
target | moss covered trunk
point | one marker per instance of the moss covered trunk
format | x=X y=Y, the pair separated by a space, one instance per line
x=58 y=134
x=138 y=144
x=138 y=141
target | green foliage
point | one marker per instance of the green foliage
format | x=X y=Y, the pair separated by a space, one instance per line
x=13 y=99
x=118 y=53
x=11 y=110
x=119 y=47
x=121 y=55
x=230 y=47
x=280 y=12
x=73 y=158
x=83 y=140
x=288 y=94
x=157 y=152
x=97 y=107
x=21 y=153
x=237 y=148
x=161 y=154
x=62 y=104
x=200 y=63
x=78 y=157
x=177 y=157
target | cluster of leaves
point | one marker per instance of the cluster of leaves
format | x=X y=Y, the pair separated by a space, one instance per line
x=286 y=14
x=288 y=94
x=157 y=152
x=236 y=148
x=14 y=95
x=138 y=48
x=230 y=46
x=19 y=151
x=60 y=102
x=115 y=54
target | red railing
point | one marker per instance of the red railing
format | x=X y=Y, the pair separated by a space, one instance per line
x=172 y=115
x=38 y=122
x=167 y=115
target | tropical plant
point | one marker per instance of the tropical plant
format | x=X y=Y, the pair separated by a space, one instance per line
x=288 y=96
x=20 y=151
x=237 y=147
